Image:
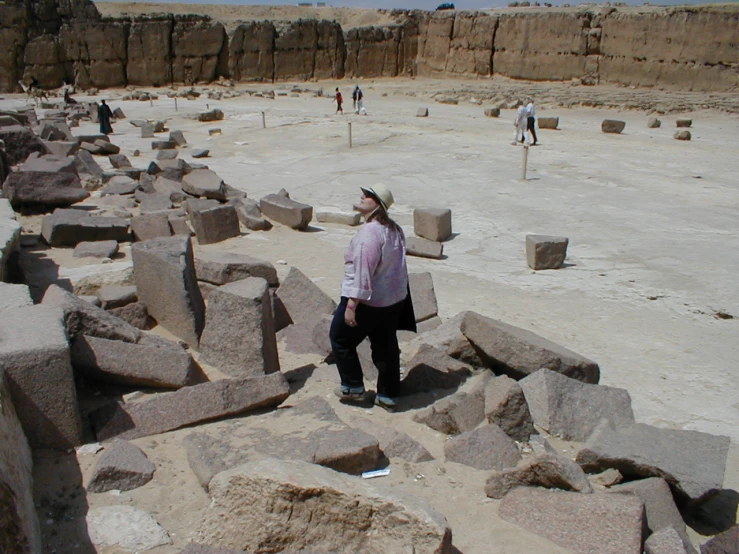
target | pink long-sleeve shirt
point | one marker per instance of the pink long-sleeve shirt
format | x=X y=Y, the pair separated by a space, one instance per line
x=375 y=271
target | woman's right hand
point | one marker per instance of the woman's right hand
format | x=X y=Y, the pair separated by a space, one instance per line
x=350 y=317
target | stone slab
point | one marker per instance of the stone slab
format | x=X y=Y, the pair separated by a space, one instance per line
x=220 y=268
x=203 y=402
x=487 y=447
x=122 y=466
x=286 y=211
x=583 y=523
x=302 y=298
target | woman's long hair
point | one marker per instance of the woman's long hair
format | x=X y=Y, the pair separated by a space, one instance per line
x=383 y=218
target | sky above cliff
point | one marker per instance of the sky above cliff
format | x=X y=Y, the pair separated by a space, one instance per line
x=416 y=4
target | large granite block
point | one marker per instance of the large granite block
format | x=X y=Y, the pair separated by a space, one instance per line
x=302 y=298
x=215 y=224
x=239 y=335
x=286 y=211
x=34 y=355
x=70 y=227
x=189 y=405
x=517 y=352
x=220 y=268
x=164 y=272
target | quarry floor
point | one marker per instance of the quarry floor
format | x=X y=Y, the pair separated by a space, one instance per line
x=648 y=290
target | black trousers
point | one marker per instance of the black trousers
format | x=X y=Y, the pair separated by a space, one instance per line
x=530 y=126
x=380 y=325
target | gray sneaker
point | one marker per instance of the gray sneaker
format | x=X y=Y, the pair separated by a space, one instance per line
x=350 y=394
x=385 y=402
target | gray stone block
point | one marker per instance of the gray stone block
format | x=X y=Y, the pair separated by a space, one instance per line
x=42 y=191
x=545 y=252
x=20 y=521
x=119 y=161
x=424 y=248
x=455 y=414
x=335 y=216
x=220 y=268
x=116 y=296
x=548 y=122
x=163 y=145
x=612 y=126
x=100 y=249
x=170 y=188
x=422 y=112
x=86 y=164
x=164 y=272
x=167 y=154
x=572 y=409
x=49 y=164
x=518 y=353
x=693 y=463
x=549 y=470
x=486 y=447
x=203 y=402
x=62 y=149
x=302 y=298
x=506 y=407
x=492 y=112
x=205 y=183
x=151 y=225
x=661 y=511
x=177 y=137
x=151 y=363
x=215 y=224
x=682 y=135
x=119 y=184
x=81 y=317
x=579 y=522
x=666 y=541
x=123 y=466
x=433 y=223
x=654 y=123
x=34 y=355
x=684 y=122
x=199 y=153
x=250 y=215
x=135 y=314
x=423 y=295
x=286 y=211
x=70 y=227
x=155 y=202
x=431 y=369
x=239 y=335
x=14 y=296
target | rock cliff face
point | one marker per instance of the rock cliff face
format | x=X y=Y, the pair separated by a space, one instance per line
x=681 y=48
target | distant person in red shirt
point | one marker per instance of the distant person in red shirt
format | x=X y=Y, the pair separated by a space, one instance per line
x=339 y=101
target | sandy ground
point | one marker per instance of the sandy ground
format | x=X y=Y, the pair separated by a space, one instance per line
x=652 y=224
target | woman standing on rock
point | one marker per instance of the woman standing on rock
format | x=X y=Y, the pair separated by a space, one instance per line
x=373 y=295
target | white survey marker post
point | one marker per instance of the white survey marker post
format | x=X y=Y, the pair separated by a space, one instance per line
x=525 y=161
x=350 y=134
x=264 y=121
x=175 y=104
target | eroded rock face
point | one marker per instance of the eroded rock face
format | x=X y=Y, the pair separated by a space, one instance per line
x=691 y=49
x=288 y=505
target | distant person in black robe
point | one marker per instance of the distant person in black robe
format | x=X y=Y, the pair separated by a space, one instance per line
x=104 y=116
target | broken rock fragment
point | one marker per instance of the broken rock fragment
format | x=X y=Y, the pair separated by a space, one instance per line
x=319 y=510
x=122 y=466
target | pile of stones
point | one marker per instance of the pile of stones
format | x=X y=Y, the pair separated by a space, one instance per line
x=502 y=396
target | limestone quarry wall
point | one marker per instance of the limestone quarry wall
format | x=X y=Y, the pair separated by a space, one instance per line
x=688 y=48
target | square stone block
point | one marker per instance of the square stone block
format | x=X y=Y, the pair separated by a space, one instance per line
x=215 y=224
x=34 y=356
x=433 y=223
x=545 y=252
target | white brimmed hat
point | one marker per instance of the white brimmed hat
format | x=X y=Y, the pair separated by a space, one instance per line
x=381 y=193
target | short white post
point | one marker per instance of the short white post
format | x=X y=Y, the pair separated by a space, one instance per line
x=525 y=161
x=151 y=102
x=264 y=121
x=175 y=103
x=350 y=134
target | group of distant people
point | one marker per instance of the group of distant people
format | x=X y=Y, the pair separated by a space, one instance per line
x=357 y=100
x=524 y=121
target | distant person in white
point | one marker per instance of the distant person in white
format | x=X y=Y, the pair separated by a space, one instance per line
x=530 y=120
x=520 y=124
